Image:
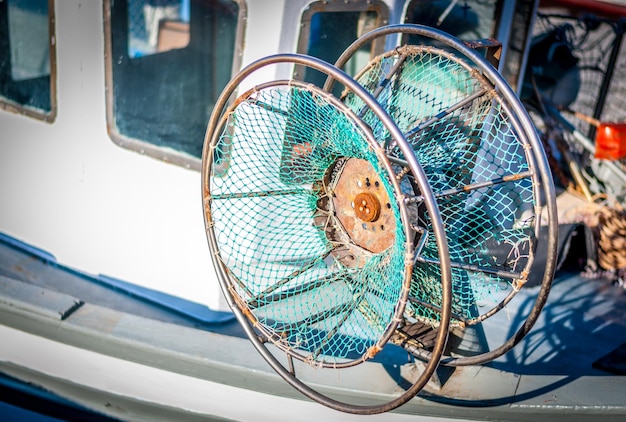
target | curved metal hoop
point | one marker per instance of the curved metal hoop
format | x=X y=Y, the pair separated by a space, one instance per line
x=217 y=124
x=538 y=170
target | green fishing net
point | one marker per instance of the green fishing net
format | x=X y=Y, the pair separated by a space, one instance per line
x=478 y=167
x=300 y=264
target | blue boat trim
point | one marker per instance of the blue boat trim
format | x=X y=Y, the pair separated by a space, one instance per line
x=196 y=311
x=24 y=401
x=28 y=249
x=185 y=307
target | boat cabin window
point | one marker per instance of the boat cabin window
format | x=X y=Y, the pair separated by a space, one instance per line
x=466 y=19
x=328 y=28
x=27 y=58
x=508 y=22
x=167 y=61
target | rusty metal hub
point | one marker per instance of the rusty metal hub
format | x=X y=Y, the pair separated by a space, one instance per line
x=362 y=206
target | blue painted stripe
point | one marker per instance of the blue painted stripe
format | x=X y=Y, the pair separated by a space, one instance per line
x=26 y=248
x=194 y=310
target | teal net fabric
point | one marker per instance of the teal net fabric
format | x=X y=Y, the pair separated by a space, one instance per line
x=477 y=166
x=270 y=186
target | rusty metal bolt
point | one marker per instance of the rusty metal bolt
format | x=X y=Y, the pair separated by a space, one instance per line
x=367 y=207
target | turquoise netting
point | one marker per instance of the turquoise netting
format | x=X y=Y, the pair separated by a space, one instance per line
x=477 y=167
x=275 y=163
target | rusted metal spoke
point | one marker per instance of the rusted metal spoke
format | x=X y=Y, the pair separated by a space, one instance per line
x=397 y=67
x=443 y=113
x=475 y=268
x=267 y=296
x=259 y=194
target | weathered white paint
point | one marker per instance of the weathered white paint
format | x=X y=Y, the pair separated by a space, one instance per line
x=67 y=188
x=141 y=383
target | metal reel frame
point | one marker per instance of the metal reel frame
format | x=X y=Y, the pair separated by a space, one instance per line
x=287 y=372
x=535 y=155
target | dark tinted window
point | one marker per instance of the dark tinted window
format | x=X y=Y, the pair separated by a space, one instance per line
x=467 y=20
x=169 y=61
x=26 y=58
x=328 y=28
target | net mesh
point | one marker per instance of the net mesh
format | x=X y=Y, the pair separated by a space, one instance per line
x=477 y=167
x=294 y=269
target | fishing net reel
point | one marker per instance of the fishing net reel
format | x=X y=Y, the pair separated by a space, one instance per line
x=339 y=225
x=486 y=168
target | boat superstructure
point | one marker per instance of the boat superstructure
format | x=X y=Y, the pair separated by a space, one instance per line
x=109 y=296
